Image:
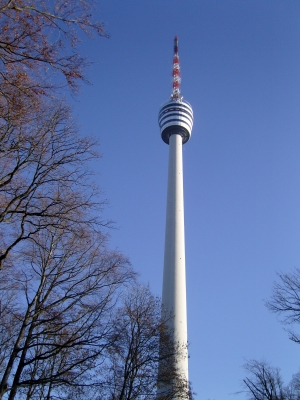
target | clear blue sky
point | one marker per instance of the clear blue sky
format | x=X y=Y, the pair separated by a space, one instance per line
x=240 y=64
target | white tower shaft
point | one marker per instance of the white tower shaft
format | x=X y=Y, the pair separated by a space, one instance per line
x=174 y=281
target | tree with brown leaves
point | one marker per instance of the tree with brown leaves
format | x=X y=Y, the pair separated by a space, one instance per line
x=39 y=39
x=42 y=160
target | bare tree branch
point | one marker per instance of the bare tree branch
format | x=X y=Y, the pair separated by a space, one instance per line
x=72 y=286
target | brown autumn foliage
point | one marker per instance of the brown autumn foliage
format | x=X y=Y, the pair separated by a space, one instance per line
x=42 y=161
x=39 y=39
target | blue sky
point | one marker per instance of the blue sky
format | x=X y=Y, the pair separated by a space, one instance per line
x=240 y=65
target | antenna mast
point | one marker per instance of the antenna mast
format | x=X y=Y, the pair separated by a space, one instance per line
x=176 y=95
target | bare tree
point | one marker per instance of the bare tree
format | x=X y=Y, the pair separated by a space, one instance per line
x=75 y=336
x=136 y=352
x=44 y=177
x=285 y=301
x=265 y=383
x=66 y=286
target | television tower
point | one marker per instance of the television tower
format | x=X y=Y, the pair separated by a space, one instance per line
x=176 y=121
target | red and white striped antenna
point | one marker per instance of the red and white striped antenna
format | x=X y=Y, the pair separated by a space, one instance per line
x=176 y=73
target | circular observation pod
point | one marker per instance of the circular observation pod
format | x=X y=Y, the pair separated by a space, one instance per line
x=175 y=117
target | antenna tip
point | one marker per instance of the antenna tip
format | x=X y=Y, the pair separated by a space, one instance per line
x=176 y=44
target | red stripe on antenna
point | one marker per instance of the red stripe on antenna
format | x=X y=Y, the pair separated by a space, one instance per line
x=176 y=72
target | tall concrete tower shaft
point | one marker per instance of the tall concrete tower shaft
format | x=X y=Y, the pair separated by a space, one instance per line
x=176 y=122
x=174 y=286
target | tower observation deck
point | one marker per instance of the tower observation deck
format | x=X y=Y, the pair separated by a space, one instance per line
x=175 y=121
x=176 y=116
